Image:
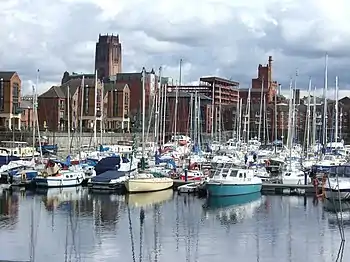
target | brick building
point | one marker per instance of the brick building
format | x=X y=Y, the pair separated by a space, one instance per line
x=134 y=82
x=53 y=106
x=108 y=56
x=265 y=81
x=10 y=99
x=210 y=90
x=27 y=115
x=117 y=107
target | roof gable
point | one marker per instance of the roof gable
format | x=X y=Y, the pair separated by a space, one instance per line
x=53 y=92
x=7 y=75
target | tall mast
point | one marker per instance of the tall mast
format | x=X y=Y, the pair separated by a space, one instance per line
x=95 y=110
x=165 y=87
x=248 y=115
x=219 y=129
x=336 y=109
x=261 y=107
x=324 y=137
x=82 y=105
x=143 y=117
x=314 y=115
x=308 y=117
x=68 y=118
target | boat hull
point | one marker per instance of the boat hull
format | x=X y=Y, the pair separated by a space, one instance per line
x=217 y=189
x=148 y=184
x=58 y=182
x=334 y=194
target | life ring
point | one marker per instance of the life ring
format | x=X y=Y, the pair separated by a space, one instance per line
x=44 y=174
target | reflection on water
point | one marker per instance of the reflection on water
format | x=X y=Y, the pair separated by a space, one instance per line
x=233 y=209
x=72 y=224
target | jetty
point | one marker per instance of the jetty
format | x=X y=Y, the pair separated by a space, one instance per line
x=271 y=188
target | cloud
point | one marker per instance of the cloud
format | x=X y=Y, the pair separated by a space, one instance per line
x=213 y=37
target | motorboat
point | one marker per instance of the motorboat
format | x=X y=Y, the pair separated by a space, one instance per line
x=147 y=182
x=233 y=182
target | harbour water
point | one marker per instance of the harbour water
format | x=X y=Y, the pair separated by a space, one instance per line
x=74 y=225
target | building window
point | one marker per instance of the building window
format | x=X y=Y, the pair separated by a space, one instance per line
x=15 y=98
x=115 y=103
x=61 y=105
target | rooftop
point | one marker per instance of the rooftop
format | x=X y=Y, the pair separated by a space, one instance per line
x=6 y=75
x=219 y=80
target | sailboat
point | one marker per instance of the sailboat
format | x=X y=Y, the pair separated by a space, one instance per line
x=145 y=181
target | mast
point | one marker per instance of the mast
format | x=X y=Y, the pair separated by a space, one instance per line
x=248 y=115
x=33 y=120
x=275 y=115
x=294 y=128
x=336 y=109
x=264 y=119
x=314 y=126
x=143 y=117
x=261 y=108
x=164 y=115
x=219 y=129
x=308 y=117
x=95 y=111
x=177 y=100
x=102 y=102
x=82 y=104
x=240 y=119
x=36 y=113
x=212 y=111
x=196 y=117
x=324 y=137
x=191 y=116
x=156 y=120
x=199 y=127
x=68 y=118
x=289 y=136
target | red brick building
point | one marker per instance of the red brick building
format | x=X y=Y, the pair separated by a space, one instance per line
x=27 y=115
x=10 y=99
x=209 y=88
x=134 y=82
x=265 y=78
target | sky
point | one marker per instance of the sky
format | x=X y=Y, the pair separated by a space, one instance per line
x=226 y=38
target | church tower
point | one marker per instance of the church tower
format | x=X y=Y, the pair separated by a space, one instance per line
x=108 y=56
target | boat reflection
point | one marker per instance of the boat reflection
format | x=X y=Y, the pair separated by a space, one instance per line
x=149 y=199
x=337 y=212
x=9 y=209
x=55 y=197
x=233 y=209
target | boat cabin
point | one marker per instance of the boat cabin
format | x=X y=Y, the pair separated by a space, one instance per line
x=234 y=173
x=20 y=149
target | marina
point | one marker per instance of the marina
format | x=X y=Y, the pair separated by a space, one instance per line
x=167 y=226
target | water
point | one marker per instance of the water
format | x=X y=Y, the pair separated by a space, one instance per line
x=73 y=225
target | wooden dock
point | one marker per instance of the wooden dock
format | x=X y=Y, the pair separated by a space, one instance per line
x=271 y=188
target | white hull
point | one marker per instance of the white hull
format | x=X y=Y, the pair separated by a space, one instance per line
x=337 y=195
x=138 y=185
x=66 y=179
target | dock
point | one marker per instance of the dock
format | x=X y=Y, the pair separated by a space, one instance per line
x=270 y=188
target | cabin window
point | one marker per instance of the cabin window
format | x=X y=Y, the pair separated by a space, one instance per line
x=245 y=175
x=240 y=175
x=233 y=173
x=71 y=176
x=67 y=176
